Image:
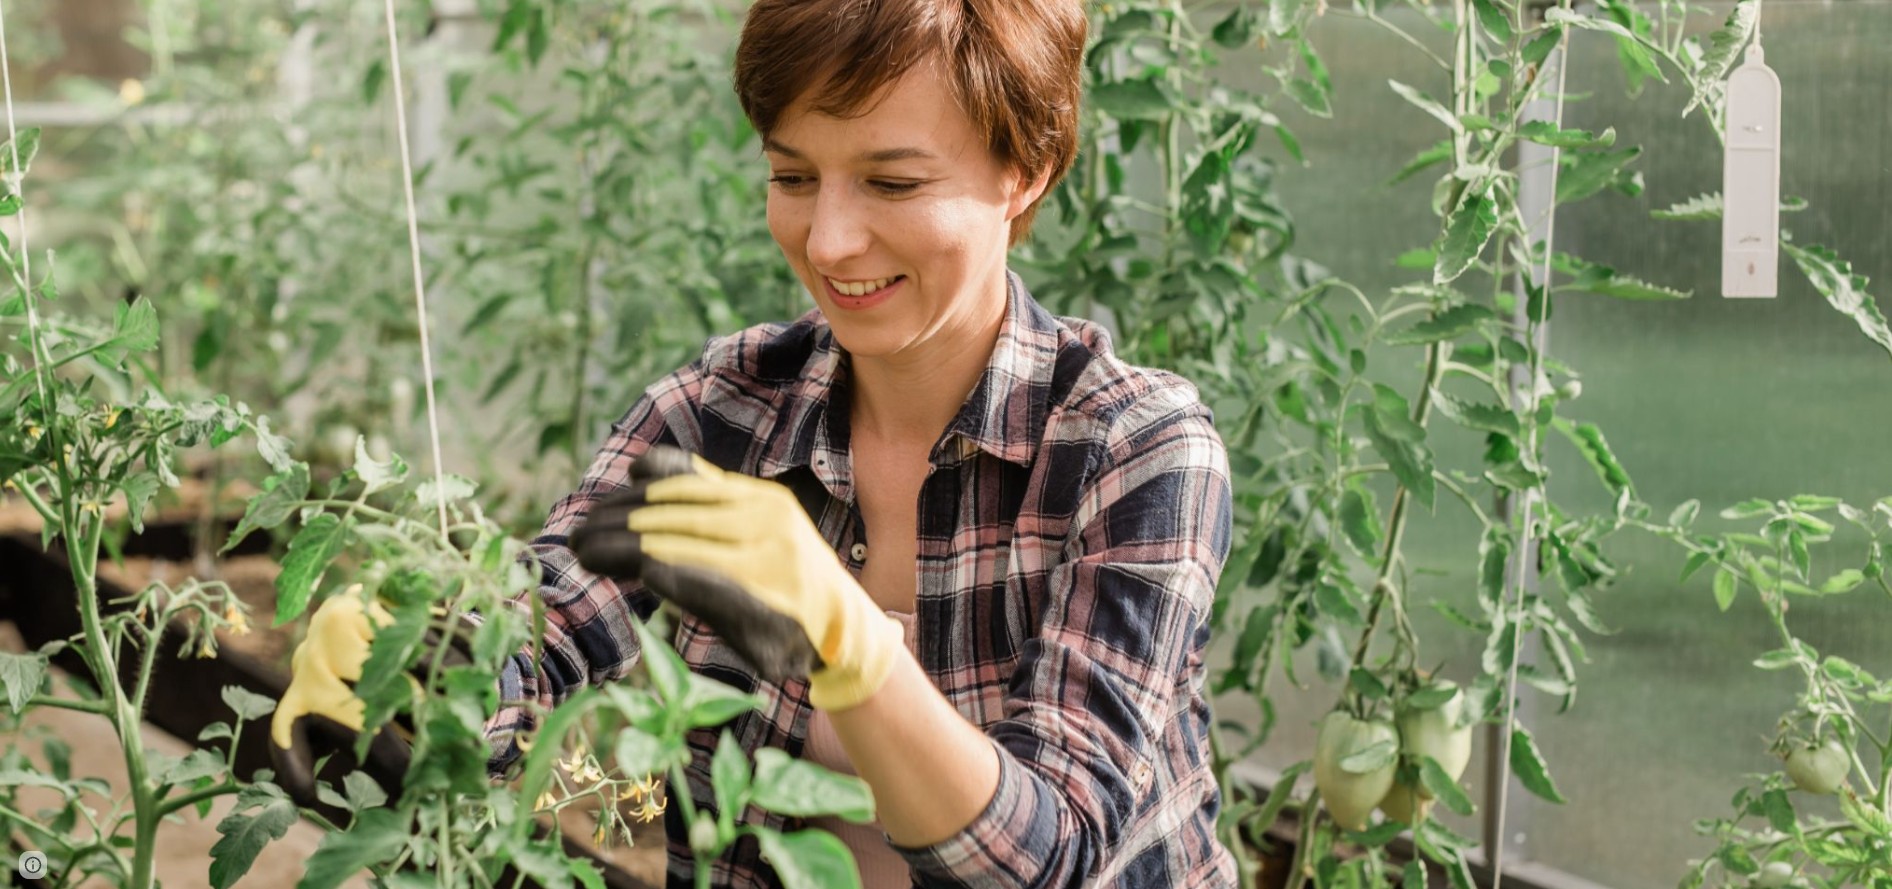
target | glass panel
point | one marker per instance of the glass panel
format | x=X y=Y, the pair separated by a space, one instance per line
x=1709 y=398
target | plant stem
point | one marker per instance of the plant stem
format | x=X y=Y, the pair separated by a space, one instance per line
x=1303 y=846
x=179 y=803
x=99 y=708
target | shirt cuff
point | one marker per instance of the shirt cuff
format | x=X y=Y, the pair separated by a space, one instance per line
x=1008 y=844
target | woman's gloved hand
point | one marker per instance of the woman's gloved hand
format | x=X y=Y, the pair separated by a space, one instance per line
x=741 y=554
x=329 y=658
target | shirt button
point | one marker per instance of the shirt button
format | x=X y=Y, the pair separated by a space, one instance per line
x=1141 y=775
x=859 y=552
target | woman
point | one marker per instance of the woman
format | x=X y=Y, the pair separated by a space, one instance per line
x=1028 y=530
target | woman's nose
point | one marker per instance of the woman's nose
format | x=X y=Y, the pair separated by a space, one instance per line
x=838 y=231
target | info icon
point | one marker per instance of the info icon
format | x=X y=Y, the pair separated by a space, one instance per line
x=32 y=865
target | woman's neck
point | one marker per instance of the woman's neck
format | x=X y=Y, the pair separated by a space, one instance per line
x=907 y=400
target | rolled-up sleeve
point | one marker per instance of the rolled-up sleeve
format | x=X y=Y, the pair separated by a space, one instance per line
x=1121 y=631
x=588 y=618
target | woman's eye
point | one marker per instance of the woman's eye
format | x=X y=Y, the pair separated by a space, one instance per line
x=788 y=182
x=891 y=187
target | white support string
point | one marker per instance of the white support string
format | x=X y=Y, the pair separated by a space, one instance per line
x=1496 y=853
x=17 y=183
x=413 y=245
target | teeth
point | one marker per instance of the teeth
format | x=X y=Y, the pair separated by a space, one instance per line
x=859 y=288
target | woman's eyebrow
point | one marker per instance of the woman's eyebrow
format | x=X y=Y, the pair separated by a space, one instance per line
x=884 y=155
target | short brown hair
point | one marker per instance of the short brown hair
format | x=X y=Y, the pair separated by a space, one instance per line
x=1015 y=66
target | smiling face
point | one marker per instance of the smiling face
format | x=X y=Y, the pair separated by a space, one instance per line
x=896 y=220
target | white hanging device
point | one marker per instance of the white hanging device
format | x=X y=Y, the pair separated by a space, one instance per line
x=1750 y=181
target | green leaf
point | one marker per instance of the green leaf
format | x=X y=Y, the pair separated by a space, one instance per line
x=729 y=775
x=1482 y=417
x=384 y=685
x=1132 y=100
x=1439 y=152
x=1585 y=173
x=1432 y=697
x=363 y=792
x=640 y=753
x=247 y=704
x=1373 y=756
x=10 y=206
x=1442 y=786
x=1726 y=585
x=708 y=702
x=1427 y=104
x=272 y=506
x=1844 y=582
x=1706 y=206
x=1414 y=876
x=22 y=675
x=1685 y=514
x=453 y=488
x=669 y=676
x=1495 y=18
x=244 y=833
x=1452 y=323
x=1237 y=29
x=1814 y=502
x=1359 y=519
x=1543 y=132
x=274 y=449
x=1626 y=287
x=1779 y=810
x=1844 y=291
x=1748 y=509
x=371 y=81
x=808 y=859
x=377 y=476
x=135 y=327
x=1627 y=43
x=1466 y=232
x=310 y=553
x=1528 y=764
x=375 y=838
x=1368 y=685
x=1539 y=48
x=16 y=156
x=1287 y=17
x=1411 y=462
x=1724 y=48
x=1310 y=96
x=798 y=788
x=1596 y=450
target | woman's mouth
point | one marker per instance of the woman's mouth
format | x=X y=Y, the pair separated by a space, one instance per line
x=858 y=295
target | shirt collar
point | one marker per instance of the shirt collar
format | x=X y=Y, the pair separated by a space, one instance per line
x=1004 y=416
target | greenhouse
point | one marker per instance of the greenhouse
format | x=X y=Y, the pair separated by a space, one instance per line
x=989 y=444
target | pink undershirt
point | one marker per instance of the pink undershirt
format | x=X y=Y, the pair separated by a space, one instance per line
x=881 y=867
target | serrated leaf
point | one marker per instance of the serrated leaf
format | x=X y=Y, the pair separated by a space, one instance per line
x=310 y=553
x=1528 y=764
x=375 y=838
x=1358 y=519
x=1442 y=786
x=455 y=488
x=274 y=449
x=1700 y=207
x=272 y=506
x=1596 y=451
x=1132 y=100
x=1584 y=173
x=16 y=156
x=374 y=474
x=135 y=326
x=1411 y=462
x=1627 y=43
x=1467 y=231
x=247 y=704
x=244 y=834
x=22 y=675
x=1449 y=324
x=809 y=859
x=1724 y=47
x=1844 y=291
x=798 y=788
x=1482 y=417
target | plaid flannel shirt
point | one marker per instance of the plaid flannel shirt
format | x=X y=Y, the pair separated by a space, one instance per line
x=1070 y=537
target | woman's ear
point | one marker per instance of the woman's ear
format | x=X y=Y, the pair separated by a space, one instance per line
x=1025 y=192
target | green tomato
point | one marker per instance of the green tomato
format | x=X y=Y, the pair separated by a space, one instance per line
x=1774 y=875
x=1405 y=805
x=1350 y=796
x=1820 y=769
x=1434 y=733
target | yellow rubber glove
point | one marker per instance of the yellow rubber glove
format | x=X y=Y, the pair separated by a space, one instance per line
x=328 y=659
x=720 y=544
